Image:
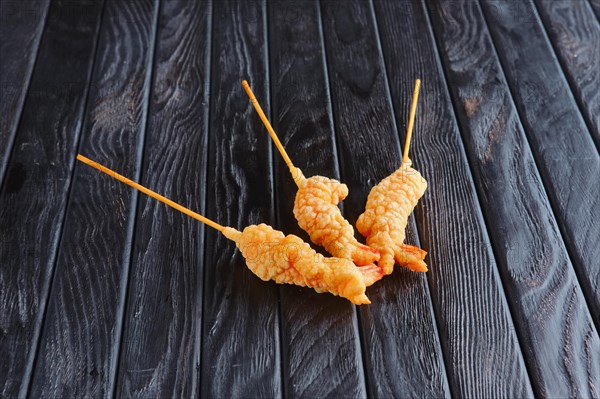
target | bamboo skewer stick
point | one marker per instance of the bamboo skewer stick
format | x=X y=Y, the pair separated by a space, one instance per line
x=411 y=121
x=296 y=173
x=150 y=193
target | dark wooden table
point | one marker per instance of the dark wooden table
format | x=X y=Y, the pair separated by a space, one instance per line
x=105 y=292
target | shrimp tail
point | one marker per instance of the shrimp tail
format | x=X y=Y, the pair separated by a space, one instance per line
x=371 y=274
x=363 y=255
x=411 y=257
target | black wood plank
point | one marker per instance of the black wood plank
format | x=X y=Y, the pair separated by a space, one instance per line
x=575 y=34
x=240 y=346
x=548 y=305
x=403 y=353
x=400 y=336
x=320 y=337
x=596 y=7
x=481 y=349
x=160 y=346
x=394 y=329
x=34 y=194
x=561 y=143
x=79 y=345
x=21 y=25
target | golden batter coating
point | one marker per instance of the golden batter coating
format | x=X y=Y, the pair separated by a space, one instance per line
x=317 y=213
x=289 y=260
x=386 y=214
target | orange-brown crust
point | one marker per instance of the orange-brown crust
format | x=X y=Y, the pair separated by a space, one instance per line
x=317 y=213
x=386 y=214
x=289 y=260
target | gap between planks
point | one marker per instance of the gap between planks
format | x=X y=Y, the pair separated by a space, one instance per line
x=12 y=135
x=394 y=117
x=121 y=310
x=48 y=282
x=536 y=160
x=565 y=75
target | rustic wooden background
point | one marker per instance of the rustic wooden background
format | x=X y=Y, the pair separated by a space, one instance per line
x=105 y=292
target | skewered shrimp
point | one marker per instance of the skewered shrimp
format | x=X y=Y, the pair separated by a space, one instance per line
x=285 y=259
x=317 y=213
x=388 y=206
x=384 y=221
x=289 y=260
x=315 y=207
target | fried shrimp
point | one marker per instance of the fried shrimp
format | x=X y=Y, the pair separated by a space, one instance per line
x=317 y=213
x=289 y=260
x=386 y=214
x=388 y=206
x=273 y=256
x=316 y=208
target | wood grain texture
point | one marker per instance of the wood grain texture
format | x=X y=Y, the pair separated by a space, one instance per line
x=104 y=292
x=481 y=349
x=400 y=338
x=160 y=346
x=34 y=193
x=320 y=338
x=575 y=34
x=240 y=346
x=395 y=328
x=21 y=27
x=595 y=4
x=77 y=354
x=568 y=163
x=549 y=309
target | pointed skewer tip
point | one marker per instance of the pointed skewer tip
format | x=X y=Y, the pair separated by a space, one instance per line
x=296 y=175
x=155 y=195
x=411 y=122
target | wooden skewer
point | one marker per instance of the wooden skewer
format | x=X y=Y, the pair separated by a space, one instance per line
x=411 y=121
x=150 y=193
x=296 y=174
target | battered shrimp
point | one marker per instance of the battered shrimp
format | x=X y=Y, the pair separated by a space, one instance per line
x=317 y=213
x=289 y=260
x=273 y=256
x=386 y=214
x=316 y=208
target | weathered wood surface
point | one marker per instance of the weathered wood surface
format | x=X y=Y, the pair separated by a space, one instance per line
x=477 y=364
x=328 y=363
x=130 y=298
x=159 y=354
x=78 y=355
x=400 y=325
x=595 y=4
x=240 y=335
x=34 y=193
x=548 y=306
x=21 y=27
x=568 y=163
x=575 y=34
